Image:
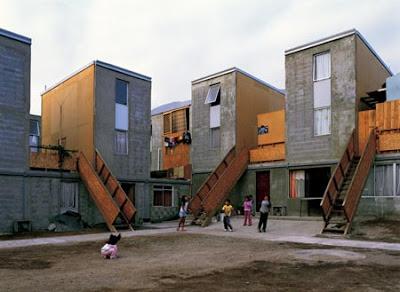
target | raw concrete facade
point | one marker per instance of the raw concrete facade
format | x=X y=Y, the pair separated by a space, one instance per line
x=242 y=96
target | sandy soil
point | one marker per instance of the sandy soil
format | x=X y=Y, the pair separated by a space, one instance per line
x=377 y=230
x=190 y=262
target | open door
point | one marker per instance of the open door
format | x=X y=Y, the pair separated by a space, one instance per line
x=262 y=187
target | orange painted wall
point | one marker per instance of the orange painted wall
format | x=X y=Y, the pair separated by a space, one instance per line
x=67 y=111
x=276 y=127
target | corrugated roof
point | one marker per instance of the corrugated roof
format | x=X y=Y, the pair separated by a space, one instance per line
x=235 y=69
x=170 y=106
x=14 y=36
x=336 y=37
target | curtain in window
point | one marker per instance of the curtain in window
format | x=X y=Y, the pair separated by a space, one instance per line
x=121 y=142
x=322 y=66
x=34 y=142
x=297 y=184
x=322 y=121
x=384 y=180
x=397 y=193
x=69 y=197
x=215 y=116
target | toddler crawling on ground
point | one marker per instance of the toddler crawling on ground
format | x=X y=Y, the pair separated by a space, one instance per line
x=110 y=249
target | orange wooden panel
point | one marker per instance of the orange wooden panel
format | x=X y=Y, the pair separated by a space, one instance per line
x=268 y=153
x=389 y=142
x=387 y=115
x=176 y=156
x=275 y=121
x=50 y=161
x=98 y=191
x=366 y=122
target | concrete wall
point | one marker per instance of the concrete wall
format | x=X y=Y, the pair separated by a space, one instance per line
x=158 y=213
x=205 y=158
x=157 y=142
x=15 y=67
x=135 y=165
x=35 y=196
x=302 y=146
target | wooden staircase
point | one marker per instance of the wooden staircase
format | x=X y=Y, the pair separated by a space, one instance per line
x=215 y=190
x=106 y=192
x=345 y=187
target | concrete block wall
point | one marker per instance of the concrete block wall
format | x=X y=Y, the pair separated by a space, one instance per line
x=15 y=64
x=301 y=145
x=157 y=143
x=205 y=158
x=135 y=165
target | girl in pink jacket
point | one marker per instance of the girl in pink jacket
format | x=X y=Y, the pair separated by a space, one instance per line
x=247 y=207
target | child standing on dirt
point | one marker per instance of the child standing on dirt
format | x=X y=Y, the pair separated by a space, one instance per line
x=227 y=208
x=183 y=211
x=264 y=210
x=247 y=208
x=110 y=249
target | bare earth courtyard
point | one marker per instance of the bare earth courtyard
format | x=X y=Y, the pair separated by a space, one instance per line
x=200 y=260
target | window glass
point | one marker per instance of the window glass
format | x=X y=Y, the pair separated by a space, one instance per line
x=121 y=92
x=163 y=196
x=212 y=94
x=322 y=66
x=322 y=121
x=121 y=142
x=215 y=137
x=69 y=197
x=322 y=93
x=34 y=128
x=384 y=180
x=215 y=116
x=121 y=117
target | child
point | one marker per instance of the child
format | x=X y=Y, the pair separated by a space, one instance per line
x=110 y=249
x=227 y=208
x=247 y=207
x=264 y=210
x=183 y=211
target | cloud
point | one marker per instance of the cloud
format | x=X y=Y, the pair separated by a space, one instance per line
x=178 y=41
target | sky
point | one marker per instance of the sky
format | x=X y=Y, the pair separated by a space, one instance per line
x=177 y=41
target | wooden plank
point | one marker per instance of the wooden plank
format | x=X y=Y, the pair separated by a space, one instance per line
x=267 y=153
x=48 y=160
x=389 y=142
x=98 y=191
x=275 y=122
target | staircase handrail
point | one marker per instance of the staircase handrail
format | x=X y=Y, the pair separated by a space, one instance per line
x=195 y=197
x=359 y=179
x=333 y=187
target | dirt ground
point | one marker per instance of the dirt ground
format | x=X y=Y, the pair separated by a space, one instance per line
x=378 y=230
x=193 y=262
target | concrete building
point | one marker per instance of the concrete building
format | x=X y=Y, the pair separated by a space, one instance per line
x=224 y=115
x=325 y=80
x=171 y=136
x=105 y=108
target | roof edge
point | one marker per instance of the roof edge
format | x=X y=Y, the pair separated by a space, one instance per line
x=121 y=70
x=235 y=69
x=101 y=64
x=15 y=36
x=189 y=104
x=337 y=37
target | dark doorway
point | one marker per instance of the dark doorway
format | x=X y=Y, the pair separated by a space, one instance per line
x=316 y=180
x=129 y=190
x=262 y=187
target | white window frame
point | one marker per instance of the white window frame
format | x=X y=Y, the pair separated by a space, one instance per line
x=315 y=65
x=209 y=97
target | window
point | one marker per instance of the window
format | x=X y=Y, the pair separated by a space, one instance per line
x=34 y=134
x=322 y=66
x=322 y=121
x=387 y=180
x=176 y=121
x=215 y=137
x=215 y=116
x=322 y=94
x=121 y=142
x=121 y=117
x=69 y=197
x=163 y=196
x=213 y=93
x=297 y=184
x=121 y=92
